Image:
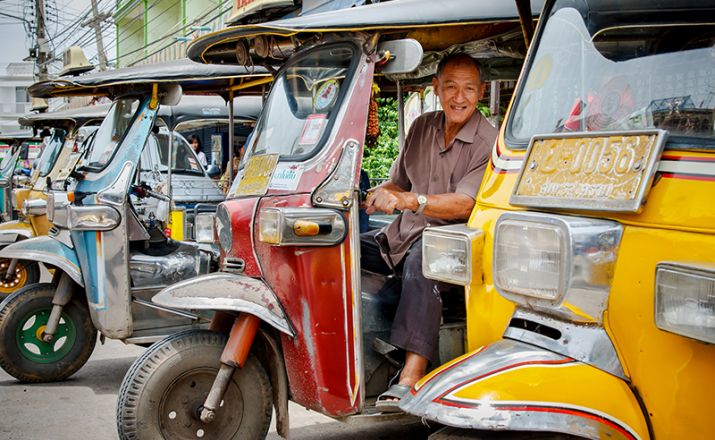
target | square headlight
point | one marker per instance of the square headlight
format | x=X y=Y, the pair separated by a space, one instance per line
x=531 y=258
x=452 y=254
x=685 y=300
x=204 y=227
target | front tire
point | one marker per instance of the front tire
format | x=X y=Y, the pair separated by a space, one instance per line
x=23 y=353
x=161 y=394
x=26 y=273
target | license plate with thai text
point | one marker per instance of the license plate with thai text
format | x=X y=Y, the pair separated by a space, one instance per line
x=257 y=175
x=589 y=171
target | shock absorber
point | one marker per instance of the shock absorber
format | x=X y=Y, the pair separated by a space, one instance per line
x=234 y=355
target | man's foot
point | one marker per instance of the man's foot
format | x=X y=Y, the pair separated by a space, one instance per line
x=389 y=401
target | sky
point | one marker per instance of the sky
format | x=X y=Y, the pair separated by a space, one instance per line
x=14 y=44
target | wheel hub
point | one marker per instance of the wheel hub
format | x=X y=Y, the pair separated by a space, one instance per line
x=10 y=282
x=181 y=405
x=29 y=337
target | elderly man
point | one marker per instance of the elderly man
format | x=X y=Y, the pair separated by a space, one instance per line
x=433 y=182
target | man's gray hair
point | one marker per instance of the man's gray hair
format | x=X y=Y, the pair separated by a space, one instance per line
x=460 y=57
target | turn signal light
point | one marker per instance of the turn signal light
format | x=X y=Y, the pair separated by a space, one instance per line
x=303 y=228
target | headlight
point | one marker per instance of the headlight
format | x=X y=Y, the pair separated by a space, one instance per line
x=204 y=227
x=223 y=228
x=530 y=259
x=301 y=227
x=452 y=254
x=685 y=300
x=34 y=207
x=556 y=263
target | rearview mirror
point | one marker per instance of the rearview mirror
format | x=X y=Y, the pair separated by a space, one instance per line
x=405 y=55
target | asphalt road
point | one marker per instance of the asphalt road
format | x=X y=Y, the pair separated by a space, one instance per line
x=83 y=407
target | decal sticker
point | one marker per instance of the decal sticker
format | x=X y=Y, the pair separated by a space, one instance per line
x=312 y=129
x=326 y=95
x=286 y=177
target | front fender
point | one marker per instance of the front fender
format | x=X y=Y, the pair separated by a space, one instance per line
x=226 y=291
x=46 y=250
x=14 y=230
x=512 y=386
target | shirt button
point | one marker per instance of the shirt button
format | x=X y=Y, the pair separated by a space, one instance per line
x=435 y=178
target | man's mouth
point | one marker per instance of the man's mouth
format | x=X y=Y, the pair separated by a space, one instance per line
x=458 y=108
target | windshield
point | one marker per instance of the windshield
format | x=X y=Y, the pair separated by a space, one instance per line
x=303 y=103
x=156 y=153
x=618 y=78
x=51 y=152
x=111 y=132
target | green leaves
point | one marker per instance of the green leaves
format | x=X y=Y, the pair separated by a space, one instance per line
x=378 y=160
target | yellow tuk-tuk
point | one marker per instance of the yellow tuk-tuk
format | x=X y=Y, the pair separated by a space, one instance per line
x=595 y=226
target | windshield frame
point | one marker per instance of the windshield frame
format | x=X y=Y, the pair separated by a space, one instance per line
x=338 y=106
x=58 y=150
x=673 y=141
x=86 y=166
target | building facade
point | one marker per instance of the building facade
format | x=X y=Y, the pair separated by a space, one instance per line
x=15 y=78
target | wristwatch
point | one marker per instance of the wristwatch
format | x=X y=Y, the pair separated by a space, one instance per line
x=422 y=200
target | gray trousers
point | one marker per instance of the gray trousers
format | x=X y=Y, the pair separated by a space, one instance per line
x=419 y=312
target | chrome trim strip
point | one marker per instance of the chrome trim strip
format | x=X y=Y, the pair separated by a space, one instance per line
x=165 y=309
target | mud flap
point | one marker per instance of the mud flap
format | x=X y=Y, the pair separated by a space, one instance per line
x=512 y=386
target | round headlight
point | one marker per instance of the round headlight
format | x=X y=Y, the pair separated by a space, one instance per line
x=223 y=227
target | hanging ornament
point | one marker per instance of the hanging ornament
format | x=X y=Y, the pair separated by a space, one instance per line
x=373 y=124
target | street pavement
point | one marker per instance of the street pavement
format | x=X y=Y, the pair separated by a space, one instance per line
x=83 y=407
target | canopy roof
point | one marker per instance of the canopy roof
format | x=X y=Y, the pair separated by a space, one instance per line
x=192 y=77
x=403 y=18
x=190 y=108
x=65 y=118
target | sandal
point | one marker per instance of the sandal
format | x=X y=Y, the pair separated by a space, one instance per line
x=395 y=394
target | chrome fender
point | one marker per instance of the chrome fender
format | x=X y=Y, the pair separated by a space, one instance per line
x=227 y=291
x=49 y=251
x=513 y=386
x=12 y=231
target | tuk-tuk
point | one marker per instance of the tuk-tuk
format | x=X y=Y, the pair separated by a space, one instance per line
x=67 y=128
x=599 y=230
x=108 y=256
x=15 y=151
x=296 y=318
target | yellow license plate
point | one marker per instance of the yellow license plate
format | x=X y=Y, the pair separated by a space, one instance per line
x=257 y=175
x=590 y=171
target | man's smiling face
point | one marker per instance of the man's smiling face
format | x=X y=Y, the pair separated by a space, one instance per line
x=459 y=89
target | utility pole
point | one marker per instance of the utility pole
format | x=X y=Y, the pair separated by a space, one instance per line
x=96 y=23
x=42 y=46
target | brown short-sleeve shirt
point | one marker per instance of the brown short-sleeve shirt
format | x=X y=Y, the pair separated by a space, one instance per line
x=425 y=166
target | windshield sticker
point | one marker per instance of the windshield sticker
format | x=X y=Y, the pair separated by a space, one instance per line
x=257 y=175
x=326 y=95
x=286 y=177
x=312 y=129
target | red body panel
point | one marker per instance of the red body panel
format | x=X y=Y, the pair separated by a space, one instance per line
x=241 y=212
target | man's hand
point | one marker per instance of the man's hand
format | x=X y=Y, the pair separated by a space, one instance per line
x=388 y=201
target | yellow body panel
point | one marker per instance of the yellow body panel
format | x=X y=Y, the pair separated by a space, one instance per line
x=572 y=385
x=176 y=224
x=20 y=195
x=674 y=375
x=488 y=313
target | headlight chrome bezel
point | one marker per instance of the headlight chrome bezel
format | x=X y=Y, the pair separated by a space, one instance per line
x=589 y=249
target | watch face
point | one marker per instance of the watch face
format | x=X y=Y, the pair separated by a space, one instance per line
x=421 y=199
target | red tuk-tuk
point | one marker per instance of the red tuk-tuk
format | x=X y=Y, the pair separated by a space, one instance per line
x=296 y=319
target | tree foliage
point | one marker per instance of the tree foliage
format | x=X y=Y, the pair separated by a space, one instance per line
x=378 y=160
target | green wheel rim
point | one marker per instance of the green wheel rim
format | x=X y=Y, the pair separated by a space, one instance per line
x=29 y=337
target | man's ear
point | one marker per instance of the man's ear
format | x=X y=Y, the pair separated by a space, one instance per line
x=435 y=86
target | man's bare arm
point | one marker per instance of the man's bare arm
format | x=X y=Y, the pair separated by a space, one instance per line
x=449 y=206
